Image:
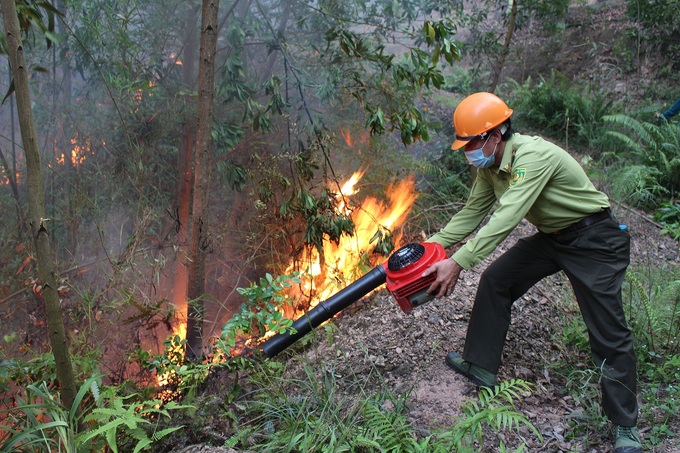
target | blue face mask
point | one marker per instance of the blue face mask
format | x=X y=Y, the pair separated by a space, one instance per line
x=477 y=158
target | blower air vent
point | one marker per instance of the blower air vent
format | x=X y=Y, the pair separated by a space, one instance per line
x=405 y=273
x=406 y=255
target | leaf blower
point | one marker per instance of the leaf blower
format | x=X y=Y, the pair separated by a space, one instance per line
x=403 y=274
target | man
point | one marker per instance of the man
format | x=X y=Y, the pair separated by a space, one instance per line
x=531 y=178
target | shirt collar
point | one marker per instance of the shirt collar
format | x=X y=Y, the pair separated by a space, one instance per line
x=508 y=154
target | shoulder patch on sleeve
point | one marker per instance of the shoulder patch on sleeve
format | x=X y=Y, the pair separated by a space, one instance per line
x=518 y=176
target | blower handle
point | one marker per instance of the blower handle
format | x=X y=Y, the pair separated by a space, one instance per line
x=326 y=310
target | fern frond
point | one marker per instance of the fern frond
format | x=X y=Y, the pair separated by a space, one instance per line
x=158 y=435
x=637 y=185
x=631 y=125
x=94 y=390
x=652 y=319
x=496 y=408
x=625 y=140
x=388 y=428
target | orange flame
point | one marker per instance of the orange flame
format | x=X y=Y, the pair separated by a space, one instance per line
x=179 y=328
x=78 y=153
x=349 y=140
x=4 y=179
x=340 y=264
x=347 y=137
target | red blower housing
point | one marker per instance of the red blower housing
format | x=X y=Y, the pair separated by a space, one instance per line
x=404 y=270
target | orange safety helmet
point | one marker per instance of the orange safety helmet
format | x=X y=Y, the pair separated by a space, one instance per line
x=476 y=115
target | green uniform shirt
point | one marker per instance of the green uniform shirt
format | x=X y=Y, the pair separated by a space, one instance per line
x=536 y=180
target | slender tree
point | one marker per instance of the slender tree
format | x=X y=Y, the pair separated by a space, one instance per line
x=38 y=222
x=185 y=169
x=510 y=30
x=200 y=238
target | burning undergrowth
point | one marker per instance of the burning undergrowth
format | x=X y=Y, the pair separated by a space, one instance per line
x=317 y=273
x=326 y=270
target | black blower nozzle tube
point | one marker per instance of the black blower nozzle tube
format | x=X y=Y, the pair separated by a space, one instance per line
x=326 y=310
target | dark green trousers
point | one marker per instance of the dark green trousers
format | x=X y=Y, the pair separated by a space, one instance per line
x=594 y=259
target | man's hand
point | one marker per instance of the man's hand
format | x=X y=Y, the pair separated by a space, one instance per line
x=447 y=272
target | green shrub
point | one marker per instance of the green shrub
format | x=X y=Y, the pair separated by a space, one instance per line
x=460 y=80
x=98 y=419
x=653 y=309
x=644 y=163
x=562 y=110
x=668 y=215
x=262 y=311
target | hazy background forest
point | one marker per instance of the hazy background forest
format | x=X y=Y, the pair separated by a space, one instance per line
x=208 y=170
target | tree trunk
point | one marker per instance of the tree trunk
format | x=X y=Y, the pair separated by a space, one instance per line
x=186 y=175
x=506 y=45
x=202 y=165
x=36 y=206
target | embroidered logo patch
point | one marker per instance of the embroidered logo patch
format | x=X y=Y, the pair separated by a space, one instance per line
x=518 y=176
